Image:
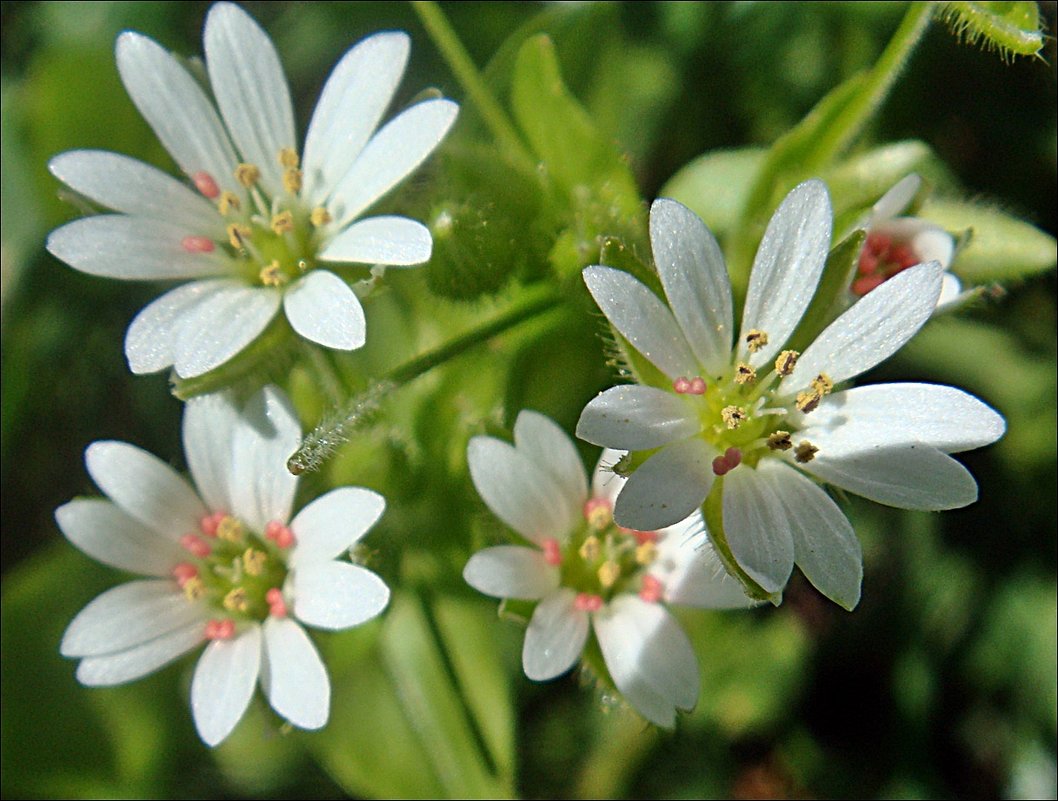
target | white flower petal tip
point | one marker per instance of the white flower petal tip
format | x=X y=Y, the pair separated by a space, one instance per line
x=267 y=574
x=251 y=212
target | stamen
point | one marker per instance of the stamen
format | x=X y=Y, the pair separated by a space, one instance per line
x=282 y=223
x=229 y=201
x=195 y=545
x=279 y=534
x=642 y=536
x=733 y=456
x=230 y=529
x=598 y=512
x=238 y=234
x=608 y=573
x=209 y=524
x=755 y=340
x=861 y=286
x=277 y=605
x=236 y=601
x=193 y=588
x=697 y=386
x=552 y=551
x=288 y=158
x=651 y=589
x=587 y=602
x=646 y=553
x=320 y=216
x=247 y=174
x=786 y=362
x=205 y=184
x=197 y=244
x=805 y=452
x=822 y=384
x=780 y=441
x=682 y=385
x=253 y=561
x=591 y=548
x=733 y=416
x=808 y=400
x=292 y=180
x=272 y=274
x=183 y=572
x=744 y=374
x=220 y=629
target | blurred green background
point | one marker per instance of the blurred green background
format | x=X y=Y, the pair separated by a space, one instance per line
x=941 y=683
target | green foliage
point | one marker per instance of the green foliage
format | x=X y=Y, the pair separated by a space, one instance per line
x=1011 y=28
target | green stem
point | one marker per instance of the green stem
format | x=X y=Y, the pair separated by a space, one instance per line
x=452 y=50
x=325 y=439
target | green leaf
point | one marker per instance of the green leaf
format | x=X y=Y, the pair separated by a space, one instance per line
x=1000 y=246
x=715 y=186
x=1012 y=28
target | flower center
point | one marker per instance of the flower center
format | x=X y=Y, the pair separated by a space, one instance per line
x=882 y=257
x=271 y=240
x=236 y=572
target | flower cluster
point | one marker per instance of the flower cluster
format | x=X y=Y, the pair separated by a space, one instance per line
x=755 y=426
x=257 y=221
x=228 y=565
x=587 y=572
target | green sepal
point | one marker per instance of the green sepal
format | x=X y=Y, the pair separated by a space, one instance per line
x=713 y=513
x=1012 y=28
x=999 y=247
x=830 y=299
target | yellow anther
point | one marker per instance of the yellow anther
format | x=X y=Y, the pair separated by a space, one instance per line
x=755 y=340
x=805 y=452
x=744 y=374
x=780 y=441
x=786 y=362
x=272 y=274
x=283 y=222
x=229 y=529
x=822 y=384
x=288 y=157
x=599 y=516
x=229 y=201
x=646 y=552
x=733 y=416
x=590 y=550
x=253 y=561
x=236 y=600
x=247 y=174
x=292 y=180
x=194 y=588
x=238 y=234
x=608 y=574
x=320 y=216
x=808 y=400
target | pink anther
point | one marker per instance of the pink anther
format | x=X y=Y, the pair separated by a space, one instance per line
x=184 y=572
x=209 y=524
x=643 y=537
x=220 y=629
x=195 y=545
x=277 y=605
x=697 y=386
x=878 y=244
x=720 y=466
x=903 y=257
x=197 y=244
x=864 y=284
x=651 y=589
x=588 y=602
x=733 y=457
x=552 y=551
x=681 y=385
x=279 y=534
x=205 y=184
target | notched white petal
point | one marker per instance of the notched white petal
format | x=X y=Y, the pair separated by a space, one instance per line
x=666 y=488
x=220 y=326
x=510 y=571
x=392 y=241
x=223 y=684
x=333 y=523
x=297 y=684
x=551 y=449
x=635 y=417
x=337 y=595
x=323 y=308
x=758 y=528
x=107 y=534
x=555 y=637
x=123 y=666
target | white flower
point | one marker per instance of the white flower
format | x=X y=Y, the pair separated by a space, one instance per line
x=585 y=570
x=257 y=223
x=228 y=565
x=766 y=424
x=896 y=243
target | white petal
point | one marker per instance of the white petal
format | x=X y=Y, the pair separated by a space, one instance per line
x=119 y=246
x=104 y=532
x=872 y=330
x=350 y=107
x=641 y=318
x=914 y=476
x=322 y=308
x=825 y=546
x=509 y=571
x=518 y=491
x=786 y=269
x=757 y=528
x=223 y=684
x=333 y=523
x=933 y=243
x=605 y=483
x=950 y=291
x=885 y=415
x=294 y=677
x=397 y=149
x=667 y=487
x=393 y=241
x=268 y=434
x=896 y=199
x=634 y=417
x=649 y=656
x=177 y=109
x=132 y=187
x=134 y=663
x=251 y=89
x=150 y=342
x=692 y=270
x=220 y=326
x=690 y=571
x=337 y=595
x=145 y=487
x=550 y=448
x=128 y=615
x=208 y=432
x=555 y=637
